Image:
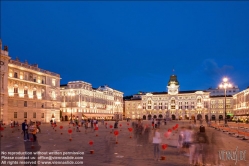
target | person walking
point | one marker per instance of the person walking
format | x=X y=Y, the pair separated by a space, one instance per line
x=156 y=141
x=25 y=130
x=180 y=140
x=86 y=126
x=33 y=131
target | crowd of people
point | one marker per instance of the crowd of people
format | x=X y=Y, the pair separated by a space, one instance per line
x=30 y=129
x=189 y=141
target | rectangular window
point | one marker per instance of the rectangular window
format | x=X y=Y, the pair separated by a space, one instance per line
x=25 y=91
x=34 y=114
x=173 y=107
x=220 y=106
x=144 y=105
x=149 y=107
x=15 y=114
x=25 y=103
x=15 y=75
x=34 y=104
x=34 y=92
x=53 y=82
x=42 y=115
x=25 y=114
x=15 y=90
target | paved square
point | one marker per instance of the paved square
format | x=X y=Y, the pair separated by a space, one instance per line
x=134 y=151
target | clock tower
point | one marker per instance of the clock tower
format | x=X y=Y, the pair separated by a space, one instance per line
x=173 y=85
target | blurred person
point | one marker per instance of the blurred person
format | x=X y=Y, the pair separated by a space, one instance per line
x=25 y=130
x=188 y=139
x=86 y=126
x=181 y=139
x=33 y=131
x=156 y=141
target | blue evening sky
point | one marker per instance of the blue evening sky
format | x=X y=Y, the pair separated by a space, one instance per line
x=132 y=46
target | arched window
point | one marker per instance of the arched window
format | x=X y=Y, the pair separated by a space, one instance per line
x=149 y=101
x=173 y=101
x=34 y=91
x=25 y=90
x=15 y=75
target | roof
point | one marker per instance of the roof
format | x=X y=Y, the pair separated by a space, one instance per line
x=127 y=97
x=158 y=93
x=221 y=96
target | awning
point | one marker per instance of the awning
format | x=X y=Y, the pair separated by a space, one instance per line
x=98 y=115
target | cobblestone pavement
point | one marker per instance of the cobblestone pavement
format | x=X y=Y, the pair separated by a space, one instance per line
x=135 y=151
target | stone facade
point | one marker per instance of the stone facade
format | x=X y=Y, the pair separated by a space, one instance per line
x=28 y=92
x=80 y=100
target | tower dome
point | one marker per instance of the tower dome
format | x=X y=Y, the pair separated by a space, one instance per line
x=173 y=80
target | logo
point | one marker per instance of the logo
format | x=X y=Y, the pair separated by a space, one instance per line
x=236 y=155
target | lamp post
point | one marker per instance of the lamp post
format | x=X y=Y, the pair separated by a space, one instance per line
x=224 y=85
x=71 y=94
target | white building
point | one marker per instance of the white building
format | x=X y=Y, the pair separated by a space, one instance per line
x=80 y=100
x=173 y=103
x=220 y=92
x=241 y=105
x=27 y=92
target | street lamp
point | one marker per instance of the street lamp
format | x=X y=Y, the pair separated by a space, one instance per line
x=71 y=93
x=224 y=85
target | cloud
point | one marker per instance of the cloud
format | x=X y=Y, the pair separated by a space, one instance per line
x=211 y=68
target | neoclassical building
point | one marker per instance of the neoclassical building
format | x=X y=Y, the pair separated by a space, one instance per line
x=217 y=107
x=241 y=105
x=175 y=104
x=27 y=92
x=80 y=100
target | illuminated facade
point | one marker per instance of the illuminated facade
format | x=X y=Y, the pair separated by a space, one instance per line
x=173 y=104
x=220 y=92
x=28 y=92
x=241 y=105
x=80 y=100
x=217 y=107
